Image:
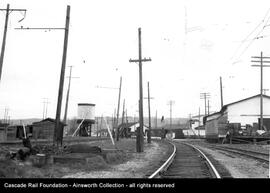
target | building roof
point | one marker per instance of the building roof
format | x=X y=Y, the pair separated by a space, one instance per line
x=49 y=120
x=223 y=109
x=225 y=106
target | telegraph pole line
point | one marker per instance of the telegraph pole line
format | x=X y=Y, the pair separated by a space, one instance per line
x=205 y=95
x=139 y=143
x=8 y=11
x=171 y=103
x=261 y=61
x=221 y=92
x=67 y=97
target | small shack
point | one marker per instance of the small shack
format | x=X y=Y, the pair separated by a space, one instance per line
x=45 y=129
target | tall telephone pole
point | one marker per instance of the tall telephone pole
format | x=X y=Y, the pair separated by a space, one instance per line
x=261 y=61
x=58 y=132
x=45 y=107
x=221 y=92
x=123 y=120
x=67 y=97
x=118 y=108
x=205 y=95
x=8 y=11
x=171 y=103
x=139 y=143
x=149 y=114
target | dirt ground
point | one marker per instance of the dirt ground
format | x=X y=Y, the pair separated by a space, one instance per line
x=124 y=163
x=238 y=166
x=138 y=166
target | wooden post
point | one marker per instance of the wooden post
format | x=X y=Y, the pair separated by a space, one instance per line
x=58 y=132
x=140 y=138
x=149 y=113
x=67 y=97
x=199 y=123
x=4 y=41
x=261 y=83
x=118 y=107
x=156 y=119
x=123 y=119
x=221 y=92
x=261 y=97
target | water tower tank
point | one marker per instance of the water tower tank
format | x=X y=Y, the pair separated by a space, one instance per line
x=86 y=111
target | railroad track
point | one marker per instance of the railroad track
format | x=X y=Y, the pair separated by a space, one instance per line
x=186 y=161
x=263 y=157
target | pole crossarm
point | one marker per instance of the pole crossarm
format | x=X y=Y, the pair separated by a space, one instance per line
x=40 y=28
x=259 y=57
x=261 y=61
x=142 y=60
x=148 y=98
x=13 y=9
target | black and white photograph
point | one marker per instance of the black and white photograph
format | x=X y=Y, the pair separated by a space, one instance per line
x=133 y=89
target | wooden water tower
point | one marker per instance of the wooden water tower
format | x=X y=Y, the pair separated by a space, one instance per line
x=86 y=117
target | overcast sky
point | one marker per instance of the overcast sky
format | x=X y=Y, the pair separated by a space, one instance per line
x=191 y=43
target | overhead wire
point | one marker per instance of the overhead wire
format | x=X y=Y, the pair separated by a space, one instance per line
x=252 y=40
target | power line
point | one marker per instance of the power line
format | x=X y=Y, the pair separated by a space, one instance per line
x=255 y=38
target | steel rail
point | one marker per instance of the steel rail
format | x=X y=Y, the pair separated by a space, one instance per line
x=211 y=166
x=166 y=164
x=248 y=151
x=242 y=153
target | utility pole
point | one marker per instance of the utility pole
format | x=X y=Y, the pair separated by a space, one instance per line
x=46 y=110
x=126 y=116
x=123 y=119
x=221 y=92
x=208 y=107
x=261 y=61
x=171 y=103
x=156 y=119
x=8 y=11
x=199 y=122
x=118 y=107
x=100 y=127
x=205 y=95
x=45 y=107
x=58 y=132
x=139 y=143
x=67 y=97
x=149 y=113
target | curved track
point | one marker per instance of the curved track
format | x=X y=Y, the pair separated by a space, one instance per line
x=186 y=161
